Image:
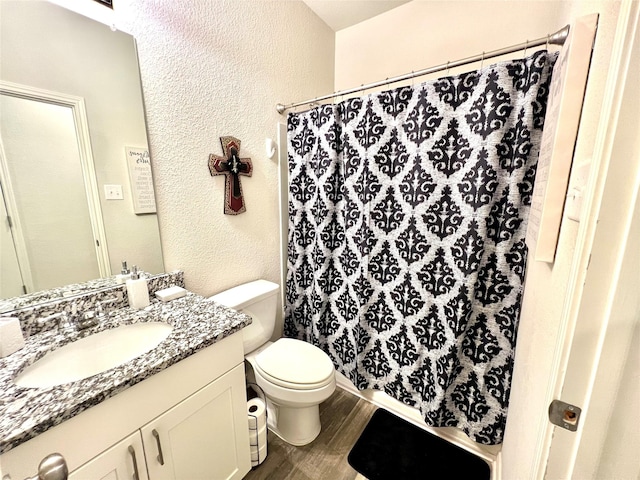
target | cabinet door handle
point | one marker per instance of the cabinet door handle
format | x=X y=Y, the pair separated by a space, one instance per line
x=136 y=475
x=160 y=457
x=52 y=467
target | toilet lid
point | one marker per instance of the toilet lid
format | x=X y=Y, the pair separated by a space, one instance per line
x=294 y=361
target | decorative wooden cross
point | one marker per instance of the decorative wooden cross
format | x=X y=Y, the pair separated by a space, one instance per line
x=231 y=166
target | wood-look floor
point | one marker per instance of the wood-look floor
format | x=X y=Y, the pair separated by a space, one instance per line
x=343 y=417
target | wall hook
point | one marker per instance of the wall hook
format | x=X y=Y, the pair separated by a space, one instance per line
x=270 y=147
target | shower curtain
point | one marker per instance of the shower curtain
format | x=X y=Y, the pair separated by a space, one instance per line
x=406 y=252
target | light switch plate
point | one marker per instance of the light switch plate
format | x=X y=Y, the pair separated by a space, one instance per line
x=577 y=189
x=113 y=192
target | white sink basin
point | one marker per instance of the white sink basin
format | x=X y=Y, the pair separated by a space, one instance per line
x=93 y=354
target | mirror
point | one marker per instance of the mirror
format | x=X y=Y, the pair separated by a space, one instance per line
x=75 y=175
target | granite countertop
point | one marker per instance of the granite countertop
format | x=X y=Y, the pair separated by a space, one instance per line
x=26 y=412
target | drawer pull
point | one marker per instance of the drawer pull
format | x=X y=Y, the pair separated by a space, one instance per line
x=160 y=457
x=136 y=475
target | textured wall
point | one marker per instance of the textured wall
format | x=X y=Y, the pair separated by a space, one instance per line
x=211 y=69
x=425 y=33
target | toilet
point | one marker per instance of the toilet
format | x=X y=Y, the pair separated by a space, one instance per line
x=295 y=376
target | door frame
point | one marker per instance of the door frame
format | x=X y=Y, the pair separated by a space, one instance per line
x=79 y=112
x=15 y=227
x=558 y=449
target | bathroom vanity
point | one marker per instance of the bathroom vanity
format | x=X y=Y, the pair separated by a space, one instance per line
x=177 y=411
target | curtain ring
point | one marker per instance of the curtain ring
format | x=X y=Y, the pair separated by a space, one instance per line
x=447 y=67
x=526 y=44
x=413 y=78
x=482 y=61
x=547 y=45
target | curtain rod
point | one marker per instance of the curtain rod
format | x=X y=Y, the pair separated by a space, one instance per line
x=557 y=38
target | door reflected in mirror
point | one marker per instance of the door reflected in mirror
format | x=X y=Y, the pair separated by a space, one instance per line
x=63 y=229
x=51 y=228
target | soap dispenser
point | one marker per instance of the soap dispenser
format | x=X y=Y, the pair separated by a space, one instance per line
x=137 y=290
x=124 y=274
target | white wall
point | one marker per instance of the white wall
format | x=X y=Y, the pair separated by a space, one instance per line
x=602 y=368
x=211 y=69
x=425 y=33
x=545 y=295
x=611 y=441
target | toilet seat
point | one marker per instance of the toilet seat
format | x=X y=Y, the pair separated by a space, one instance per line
x=295 y=364
x=290 y=385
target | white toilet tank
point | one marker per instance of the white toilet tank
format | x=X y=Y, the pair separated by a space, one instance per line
x=259 y=299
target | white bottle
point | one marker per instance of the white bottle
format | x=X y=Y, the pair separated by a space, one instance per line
x=137 y=290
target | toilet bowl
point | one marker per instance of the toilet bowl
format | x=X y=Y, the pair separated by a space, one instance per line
x=294 y=376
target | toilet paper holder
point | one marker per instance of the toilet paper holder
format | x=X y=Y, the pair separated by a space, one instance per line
x=260 y=392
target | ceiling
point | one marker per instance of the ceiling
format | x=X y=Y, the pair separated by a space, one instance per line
x=339 y=14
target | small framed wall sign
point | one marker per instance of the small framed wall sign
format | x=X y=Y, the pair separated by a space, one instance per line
x=142 y=193
x=106 y=3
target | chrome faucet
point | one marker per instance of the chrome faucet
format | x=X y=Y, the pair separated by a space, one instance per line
x=86 y=320
x=105 y=306
x=65 y=323
x=61 y=318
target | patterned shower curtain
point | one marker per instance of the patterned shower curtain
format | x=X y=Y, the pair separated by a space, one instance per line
x=406 y=254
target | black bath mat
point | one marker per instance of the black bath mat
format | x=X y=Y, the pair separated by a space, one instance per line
x=391 y=448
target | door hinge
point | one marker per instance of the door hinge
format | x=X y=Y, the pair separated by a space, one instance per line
x=564 y=415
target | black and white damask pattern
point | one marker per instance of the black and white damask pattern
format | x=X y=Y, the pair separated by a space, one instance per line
x=407 y=216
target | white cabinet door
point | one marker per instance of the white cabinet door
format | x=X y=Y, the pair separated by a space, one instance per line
x=125 y=460
x=204 y=437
